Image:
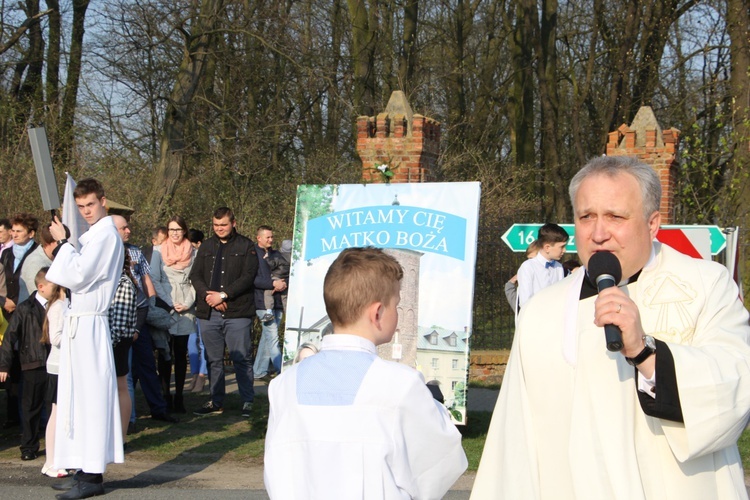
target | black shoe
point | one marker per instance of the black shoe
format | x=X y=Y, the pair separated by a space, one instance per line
x=28 y=455
x=164 y=418
x=267 y=317
x=67 y=484
x=209 y=409
x=179 y=405
x=82 y=490
x=132 y=429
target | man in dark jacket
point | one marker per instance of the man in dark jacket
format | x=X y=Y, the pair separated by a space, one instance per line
x=23 y=229
x=25 y=330
x=268 y=347
x=223 y=275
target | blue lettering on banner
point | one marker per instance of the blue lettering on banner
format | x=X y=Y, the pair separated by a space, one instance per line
x=392 y=226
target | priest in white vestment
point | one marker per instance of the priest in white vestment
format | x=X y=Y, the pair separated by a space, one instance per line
x=345 y=424
x=657 y=420
x=89 y=434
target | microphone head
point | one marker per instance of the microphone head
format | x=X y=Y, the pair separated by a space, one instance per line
x=604 y=263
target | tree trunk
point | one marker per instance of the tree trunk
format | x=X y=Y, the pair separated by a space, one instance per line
x=333 y=116
x=408 y=54
x=364 y=40
x=738 y=21
x=457 y=111
x=556 y=206
x=66 y=135
x=622 y=59
x=53 y=60
x=386 y=48
x=521 y=99
x=30 y=91
x=199 y=44
x=582 y=95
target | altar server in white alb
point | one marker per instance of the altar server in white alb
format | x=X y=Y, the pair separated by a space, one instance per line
x=347 y=424
x=658 y=420
x=89 y=434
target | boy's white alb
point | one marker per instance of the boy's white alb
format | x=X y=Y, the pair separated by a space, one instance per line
x=379 y=434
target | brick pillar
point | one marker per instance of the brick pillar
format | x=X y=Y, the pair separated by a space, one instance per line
x=644 y=139
x=408 y=143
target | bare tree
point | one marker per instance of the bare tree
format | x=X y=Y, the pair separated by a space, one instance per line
x=199 y=43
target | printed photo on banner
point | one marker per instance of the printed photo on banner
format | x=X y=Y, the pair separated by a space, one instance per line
x=431 y=229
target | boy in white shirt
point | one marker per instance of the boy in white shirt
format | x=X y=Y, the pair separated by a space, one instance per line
x=544 y=269
x=346 y=424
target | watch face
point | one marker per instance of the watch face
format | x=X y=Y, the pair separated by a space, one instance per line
x=650 y=342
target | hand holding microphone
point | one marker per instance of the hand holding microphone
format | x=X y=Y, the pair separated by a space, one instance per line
x=604 y=270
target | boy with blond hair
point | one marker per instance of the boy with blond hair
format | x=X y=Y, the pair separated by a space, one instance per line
x=346 y=424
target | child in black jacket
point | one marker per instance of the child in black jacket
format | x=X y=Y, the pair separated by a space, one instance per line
x=25 y=328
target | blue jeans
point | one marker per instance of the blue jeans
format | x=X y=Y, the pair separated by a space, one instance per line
x=131 y=386
x=235 y=334
x=196 y=353
x=268 y=347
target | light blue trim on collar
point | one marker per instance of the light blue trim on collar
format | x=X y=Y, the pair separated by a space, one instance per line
x=332 y=378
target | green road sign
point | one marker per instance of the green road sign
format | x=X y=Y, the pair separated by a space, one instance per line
x=519 y=236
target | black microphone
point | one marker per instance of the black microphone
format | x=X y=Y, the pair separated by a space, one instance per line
x=605 y=270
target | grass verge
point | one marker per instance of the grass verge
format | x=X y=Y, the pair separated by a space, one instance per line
x=232 y=438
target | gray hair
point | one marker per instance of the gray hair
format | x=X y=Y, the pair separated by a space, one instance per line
x=612 y=166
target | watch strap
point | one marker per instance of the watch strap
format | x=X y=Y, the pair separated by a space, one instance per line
x=642 y=356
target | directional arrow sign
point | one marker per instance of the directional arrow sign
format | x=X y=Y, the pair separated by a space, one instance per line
x=718 y=238
x=519 y=236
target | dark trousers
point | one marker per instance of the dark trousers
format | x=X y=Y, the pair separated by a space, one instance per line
x=178 y=346
x=235 y=334
x=144 y=367
x=12 y=386
x=32 y=403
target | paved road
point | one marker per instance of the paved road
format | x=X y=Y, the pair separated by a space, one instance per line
x=37 y=492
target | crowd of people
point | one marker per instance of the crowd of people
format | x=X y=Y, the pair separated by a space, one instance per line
x=660 y=418
x=99 y=318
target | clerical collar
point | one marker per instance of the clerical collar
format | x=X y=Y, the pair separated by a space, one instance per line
x=588 y=289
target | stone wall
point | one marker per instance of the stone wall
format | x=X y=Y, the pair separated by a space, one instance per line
x=488 y=366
